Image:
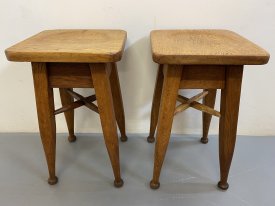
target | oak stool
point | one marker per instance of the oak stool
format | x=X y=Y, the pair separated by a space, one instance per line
x=68 y=59
x=199 y=59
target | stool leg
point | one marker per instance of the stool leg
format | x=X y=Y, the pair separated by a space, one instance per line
x=103 y=92
x=171 y=83
x=209 y=100
x=118 y=103
x=67 y=99
x=46 y=118
x=230 y=99
x=156 y=104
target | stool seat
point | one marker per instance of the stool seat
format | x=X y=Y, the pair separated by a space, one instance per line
x=85 y=46
x=218 y=47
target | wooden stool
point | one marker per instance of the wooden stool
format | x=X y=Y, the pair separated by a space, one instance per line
x=199 y=59
x=67 y=59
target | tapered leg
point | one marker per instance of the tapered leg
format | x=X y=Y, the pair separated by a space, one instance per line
x=46 y=118
x=171 y=83
x=230 y=99
x=209 y=100
x=118 y=103
x=100 y=76
x=155 y=104
x=67 y=99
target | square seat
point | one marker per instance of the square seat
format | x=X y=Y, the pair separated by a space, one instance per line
x=85 y=46
x=200 y=47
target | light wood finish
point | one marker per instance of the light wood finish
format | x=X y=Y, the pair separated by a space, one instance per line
x=67 y=99
x=199 y=106
x=90 y=46
x=209 y=60
x=209 y=100
x=74 y=105
x=87 y=103
x=186 y=105
x=46 y=118
x=221 y=47
x=118 y=103
x=66 y=75
x=202 y=77
x=230 y=100
x=68 y=59
x=171 y=83
x=104 y=98
x=156 y=104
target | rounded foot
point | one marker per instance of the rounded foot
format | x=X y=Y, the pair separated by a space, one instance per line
x=72 y=138
x=154 y=185
x=123 y=138
x=204 y=140
x=223 y=186
x=52 y=181
x=118 y=183
x=150 y=139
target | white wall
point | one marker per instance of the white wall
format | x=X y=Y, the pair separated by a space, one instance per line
x=22 y=18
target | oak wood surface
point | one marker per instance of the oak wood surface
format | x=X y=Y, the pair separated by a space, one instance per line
x=74 y=105
x=199 y=106
x=202 y=77
x=220 y=47
x=117 y=100
x=70 y=46
x=209 y=100
x=171 y=83
x=230 y=100
x=67 y=99
x=104 y=98
x=46 y=118
x=156 y=104
x=69 y=75
x=187 y=104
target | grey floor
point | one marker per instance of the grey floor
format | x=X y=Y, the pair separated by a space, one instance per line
x=188 y=177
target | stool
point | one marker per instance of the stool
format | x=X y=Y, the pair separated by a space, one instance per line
x=199 y=59
x=68 y=59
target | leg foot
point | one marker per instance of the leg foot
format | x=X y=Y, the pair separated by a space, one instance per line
x=204 y=140
x=223 y=186
x=71 y=138
x=118 y=183
x=150 y=139
x=154 y=185
x=53 y=181
x=123 y=138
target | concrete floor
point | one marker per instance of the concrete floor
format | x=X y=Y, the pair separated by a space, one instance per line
x=188 y=177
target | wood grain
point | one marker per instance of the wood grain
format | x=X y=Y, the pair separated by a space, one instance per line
x=118 y=103
x=187 y=104
x=74 y=105
x=87 y=103
x=107 y=116
x=219 y=47
x=67 y=99
x=46 y=118
x=70 y=46
x=230 y=100
x=209 y=101
x=156 y=104
x=202 y=77
x=69 y=75
x=199 y=106
x=171 y=83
